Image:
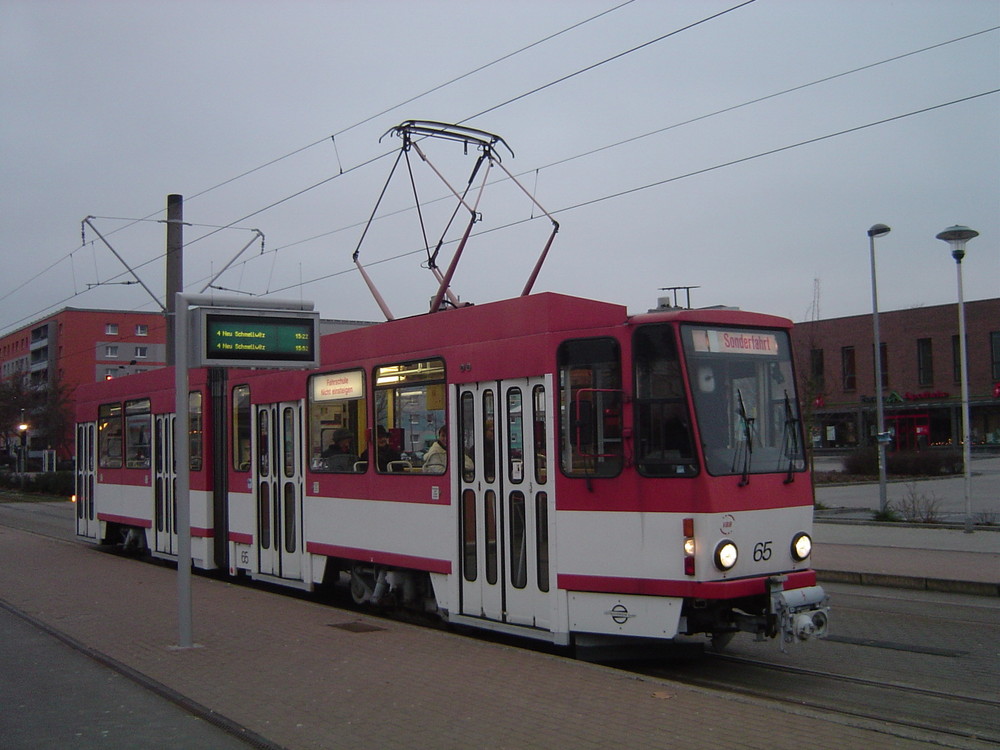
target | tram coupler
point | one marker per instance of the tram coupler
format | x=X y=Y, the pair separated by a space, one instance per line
x=797 y=614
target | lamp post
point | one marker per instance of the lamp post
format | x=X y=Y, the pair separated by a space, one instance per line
x=956 y=236
x=22 y=428
x=878 y=230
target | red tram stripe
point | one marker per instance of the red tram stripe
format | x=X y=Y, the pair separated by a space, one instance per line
x=385 y=558
x=687 y=589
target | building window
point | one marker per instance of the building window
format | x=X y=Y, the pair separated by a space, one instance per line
x=110 y=329
x=883 y=355
x=141 y=329
x=925 y=362
x=816 y=370
x=956 y=358
x=141 y=352
x=995 y=354
x=849 y=376
x=111 y=351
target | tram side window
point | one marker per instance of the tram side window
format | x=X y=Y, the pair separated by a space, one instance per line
x=137 y=433
x=338 y=415
x=410 y=406
x=590 y=403
x=241 y=428
x=663 y=443
x=109 y=441
x=195 y=430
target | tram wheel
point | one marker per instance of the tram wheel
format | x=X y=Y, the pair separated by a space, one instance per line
x=361 y=589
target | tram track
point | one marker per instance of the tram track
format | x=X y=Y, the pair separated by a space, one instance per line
x=944 y=718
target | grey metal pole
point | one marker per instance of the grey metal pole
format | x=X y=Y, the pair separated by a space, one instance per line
x=956 y=236
x=182 y=493
x=883 y=504
x=175 y=264
x=966 y=427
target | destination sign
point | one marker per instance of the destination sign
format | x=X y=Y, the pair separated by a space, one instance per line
x=734 y=342
x=259 y=338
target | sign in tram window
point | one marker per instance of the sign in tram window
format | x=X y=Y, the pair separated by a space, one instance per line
x=338 y=417
x=734 y=342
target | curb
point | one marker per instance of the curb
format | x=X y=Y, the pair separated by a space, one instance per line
x=918 y=583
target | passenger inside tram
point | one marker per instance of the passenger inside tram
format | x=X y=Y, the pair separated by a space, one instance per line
x=338 y=454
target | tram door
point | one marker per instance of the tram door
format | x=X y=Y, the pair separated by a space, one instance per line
x=164 y=485
x=505 y=435
x=86 y=523
x=278 y=489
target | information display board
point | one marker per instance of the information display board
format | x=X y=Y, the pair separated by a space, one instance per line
x=226 y=337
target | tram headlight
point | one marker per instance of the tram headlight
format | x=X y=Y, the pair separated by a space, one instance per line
x=802 y=545
x=726 y=555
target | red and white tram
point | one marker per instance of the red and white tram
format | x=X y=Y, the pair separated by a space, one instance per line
x=604 y=476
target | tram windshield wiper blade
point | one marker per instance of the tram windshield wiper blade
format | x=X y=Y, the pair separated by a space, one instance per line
x=790 y=440
x=748 y=435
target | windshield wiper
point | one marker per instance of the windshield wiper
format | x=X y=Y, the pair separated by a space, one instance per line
x=748 y=436
x=789 y=441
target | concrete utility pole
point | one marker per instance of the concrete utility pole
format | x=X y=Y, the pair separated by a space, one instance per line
x=175 y=265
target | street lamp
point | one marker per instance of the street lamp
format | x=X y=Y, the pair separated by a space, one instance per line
x=956 y=236
x=878 y=230
x=22 y=428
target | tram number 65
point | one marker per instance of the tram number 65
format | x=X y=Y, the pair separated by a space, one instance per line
x=762 y=551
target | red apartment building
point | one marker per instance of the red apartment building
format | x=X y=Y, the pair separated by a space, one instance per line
x=80 y=346
x=921 y=383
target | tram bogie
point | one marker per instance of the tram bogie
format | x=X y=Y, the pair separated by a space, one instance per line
x=547 y=466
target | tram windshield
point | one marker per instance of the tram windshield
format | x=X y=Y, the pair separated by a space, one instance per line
x=744 y=400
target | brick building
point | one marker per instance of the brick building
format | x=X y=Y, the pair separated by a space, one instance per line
x=75 y=346
x=921 y=384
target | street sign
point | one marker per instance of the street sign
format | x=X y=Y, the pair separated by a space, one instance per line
x=229 y=337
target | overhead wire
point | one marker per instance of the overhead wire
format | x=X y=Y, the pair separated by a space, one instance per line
x=676 y=178
x=657 y=131
x=598 y=64
x=217 y=228
x=324 y=139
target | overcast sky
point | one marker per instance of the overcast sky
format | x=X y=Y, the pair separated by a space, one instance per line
x=108 y=107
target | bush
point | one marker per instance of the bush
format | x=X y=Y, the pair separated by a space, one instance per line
x=862 y=461
x=924 y=463
x=58 y=483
